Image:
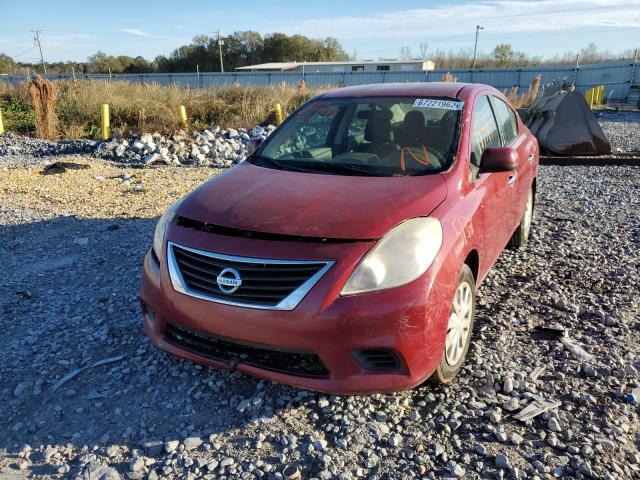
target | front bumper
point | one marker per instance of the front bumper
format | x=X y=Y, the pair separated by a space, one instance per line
x=409 y=321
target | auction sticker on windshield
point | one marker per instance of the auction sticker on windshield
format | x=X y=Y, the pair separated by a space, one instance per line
x=434 y=103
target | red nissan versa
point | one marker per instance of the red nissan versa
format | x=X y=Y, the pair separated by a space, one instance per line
x=344 y=254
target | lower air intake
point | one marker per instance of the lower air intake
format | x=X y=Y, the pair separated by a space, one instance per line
x=305 y=364
x=377 y=359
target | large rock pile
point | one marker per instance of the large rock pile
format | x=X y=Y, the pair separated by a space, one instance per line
x=215 y=147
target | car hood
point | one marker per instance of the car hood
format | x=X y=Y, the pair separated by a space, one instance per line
x=249 y=197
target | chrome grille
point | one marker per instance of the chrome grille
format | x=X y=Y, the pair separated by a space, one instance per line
x=265 y=283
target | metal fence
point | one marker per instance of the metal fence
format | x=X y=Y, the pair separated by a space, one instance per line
x=617 y=77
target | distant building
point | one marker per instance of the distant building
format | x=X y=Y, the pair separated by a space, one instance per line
x=336 y=67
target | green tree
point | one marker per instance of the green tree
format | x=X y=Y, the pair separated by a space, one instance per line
x=503 y=54
x=248 y=48
x=139 y=65
x=590 y=54
x=7 y=64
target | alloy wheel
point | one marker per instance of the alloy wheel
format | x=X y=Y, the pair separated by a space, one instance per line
x=459 y=327
x=528 y=215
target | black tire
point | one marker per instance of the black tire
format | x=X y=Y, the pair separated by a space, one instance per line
x=446 y=371
x=521 y=236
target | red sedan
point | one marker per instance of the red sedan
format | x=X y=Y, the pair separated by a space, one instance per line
x=344 y=254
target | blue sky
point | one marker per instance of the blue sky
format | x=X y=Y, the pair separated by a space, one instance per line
x=73 y=30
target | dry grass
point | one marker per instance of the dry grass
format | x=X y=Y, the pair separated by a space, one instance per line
x=137 y=108
x=448 y=77
x=43 y=97
x=520 y=100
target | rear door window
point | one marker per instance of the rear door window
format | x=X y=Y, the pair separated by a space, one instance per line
x=484 y=130
x=507 y=122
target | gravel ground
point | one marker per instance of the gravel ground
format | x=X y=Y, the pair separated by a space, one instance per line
x=622 y=129
x=72 y=246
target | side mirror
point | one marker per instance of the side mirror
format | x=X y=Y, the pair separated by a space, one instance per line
x=499 y=159
x=253 y=145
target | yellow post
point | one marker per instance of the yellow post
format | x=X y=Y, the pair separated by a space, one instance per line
x=105 y=120
x=278 y=112
x=1 y=124
x=182 y=113
x=590 y=97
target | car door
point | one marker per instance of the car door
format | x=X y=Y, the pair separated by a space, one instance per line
x=496 y=188
x=519 y=140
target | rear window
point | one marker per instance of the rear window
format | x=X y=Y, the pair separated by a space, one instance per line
x=379 y=135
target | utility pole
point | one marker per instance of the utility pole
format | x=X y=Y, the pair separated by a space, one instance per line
x=36 y=39
x=475 y=47
x=220 y=43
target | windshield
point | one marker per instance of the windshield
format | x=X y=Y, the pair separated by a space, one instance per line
x=376 y=136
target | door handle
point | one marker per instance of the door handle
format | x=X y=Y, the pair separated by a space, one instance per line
x=512 y=179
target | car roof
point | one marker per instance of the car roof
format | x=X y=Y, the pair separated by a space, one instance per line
x=412 y=89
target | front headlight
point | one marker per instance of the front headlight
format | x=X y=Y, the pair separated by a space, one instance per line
x=161 y=228
x=402 y=255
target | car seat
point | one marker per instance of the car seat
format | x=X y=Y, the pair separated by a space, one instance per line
x=440 y=133
x=377 y=134
x=412 y=131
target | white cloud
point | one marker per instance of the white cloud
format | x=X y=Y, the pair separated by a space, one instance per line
x=496 y=16
x=136 y=31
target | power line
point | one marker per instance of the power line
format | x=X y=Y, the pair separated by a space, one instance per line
x=499 y=36
x=24 y=53
x=440 y=40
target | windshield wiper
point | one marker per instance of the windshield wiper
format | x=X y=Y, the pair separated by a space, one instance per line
x=345 y=167
x=271 y=161
x=322 y=167
x=281 y=165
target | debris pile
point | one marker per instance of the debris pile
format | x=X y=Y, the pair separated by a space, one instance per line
x=215 y=147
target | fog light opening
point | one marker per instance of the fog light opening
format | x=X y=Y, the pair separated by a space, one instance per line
x=148 y=314
x=377 y=359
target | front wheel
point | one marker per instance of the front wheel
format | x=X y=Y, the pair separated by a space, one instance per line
x=521 y=236
x=459 y=328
